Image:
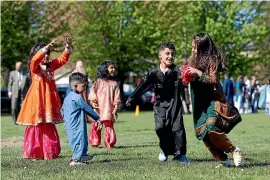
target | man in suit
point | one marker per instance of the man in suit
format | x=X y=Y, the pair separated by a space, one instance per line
x=18 y=85
x=228 y=89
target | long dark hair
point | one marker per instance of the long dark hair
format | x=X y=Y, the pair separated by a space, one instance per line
x=102 y=71
x=33 y=51
x=207 y=53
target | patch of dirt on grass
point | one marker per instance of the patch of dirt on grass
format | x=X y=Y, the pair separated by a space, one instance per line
x=12 y=142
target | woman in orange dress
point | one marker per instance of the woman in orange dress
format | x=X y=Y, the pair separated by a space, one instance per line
x=41 y=107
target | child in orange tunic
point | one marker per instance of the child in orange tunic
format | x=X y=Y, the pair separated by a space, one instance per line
x=105 y=99
x=41 y=108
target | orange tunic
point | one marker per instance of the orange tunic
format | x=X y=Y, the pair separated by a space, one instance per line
x=42 y=103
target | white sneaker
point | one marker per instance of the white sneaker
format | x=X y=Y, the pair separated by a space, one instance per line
x=237 y=158
x=162 y=156
x=226 y=163
x=74 y=162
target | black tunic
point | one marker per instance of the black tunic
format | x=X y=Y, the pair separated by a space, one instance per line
x=168 y=108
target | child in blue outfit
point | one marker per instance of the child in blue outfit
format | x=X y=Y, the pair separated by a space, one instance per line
x=73 y=112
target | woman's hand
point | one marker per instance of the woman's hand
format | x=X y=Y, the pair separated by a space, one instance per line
x=194 y=72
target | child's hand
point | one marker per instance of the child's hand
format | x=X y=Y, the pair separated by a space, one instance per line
x=51 y=44
x=128 y=103
x=94 y=104
x=98 y=125
x=115 y=116
x=68 y=41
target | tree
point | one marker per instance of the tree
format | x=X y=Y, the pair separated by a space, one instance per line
x=127 y=33
x=23 y=24
x=261 y=68
x=232 y=26
x=15 y=33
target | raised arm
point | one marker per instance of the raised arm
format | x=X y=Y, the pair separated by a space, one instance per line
x=39 y=56
x=147 y=82
x=36 y=60
x=60 y=61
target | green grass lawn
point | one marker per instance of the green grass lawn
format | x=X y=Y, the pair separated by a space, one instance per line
x=136 y=154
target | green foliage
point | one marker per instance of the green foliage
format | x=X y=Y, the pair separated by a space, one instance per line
x=16 y=35
x=23 y=23
x=128 y=32
x=233 y=28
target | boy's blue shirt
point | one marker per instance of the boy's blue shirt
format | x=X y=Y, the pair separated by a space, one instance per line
x=74 y=109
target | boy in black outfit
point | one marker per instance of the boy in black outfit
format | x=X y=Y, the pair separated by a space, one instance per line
x=165 y=79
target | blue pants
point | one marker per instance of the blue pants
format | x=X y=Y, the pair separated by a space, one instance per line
x=78 y=141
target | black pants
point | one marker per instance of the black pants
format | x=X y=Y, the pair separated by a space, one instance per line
x=16 y=107
x=171 y=132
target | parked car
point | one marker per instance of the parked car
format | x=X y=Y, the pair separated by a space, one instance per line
x=5 y=101
x=62 y=91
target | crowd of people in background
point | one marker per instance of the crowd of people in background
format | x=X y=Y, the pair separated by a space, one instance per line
x=247 y=94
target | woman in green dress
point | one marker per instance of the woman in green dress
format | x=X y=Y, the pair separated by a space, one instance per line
x=213 y=116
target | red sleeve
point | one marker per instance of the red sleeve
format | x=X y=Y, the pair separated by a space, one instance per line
x=58 y=62
x=35 y=61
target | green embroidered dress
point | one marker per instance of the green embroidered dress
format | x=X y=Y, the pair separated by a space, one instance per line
x=209 y=103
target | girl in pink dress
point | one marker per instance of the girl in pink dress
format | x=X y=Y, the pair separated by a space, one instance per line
x=105 y=98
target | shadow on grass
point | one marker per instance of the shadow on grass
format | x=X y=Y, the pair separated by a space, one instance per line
x=202 y=160
x=136 y=146
x=247 y=163
x=257 y=164
x=119 y=160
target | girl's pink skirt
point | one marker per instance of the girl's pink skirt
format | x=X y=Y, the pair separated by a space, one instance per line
x=41 y=142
